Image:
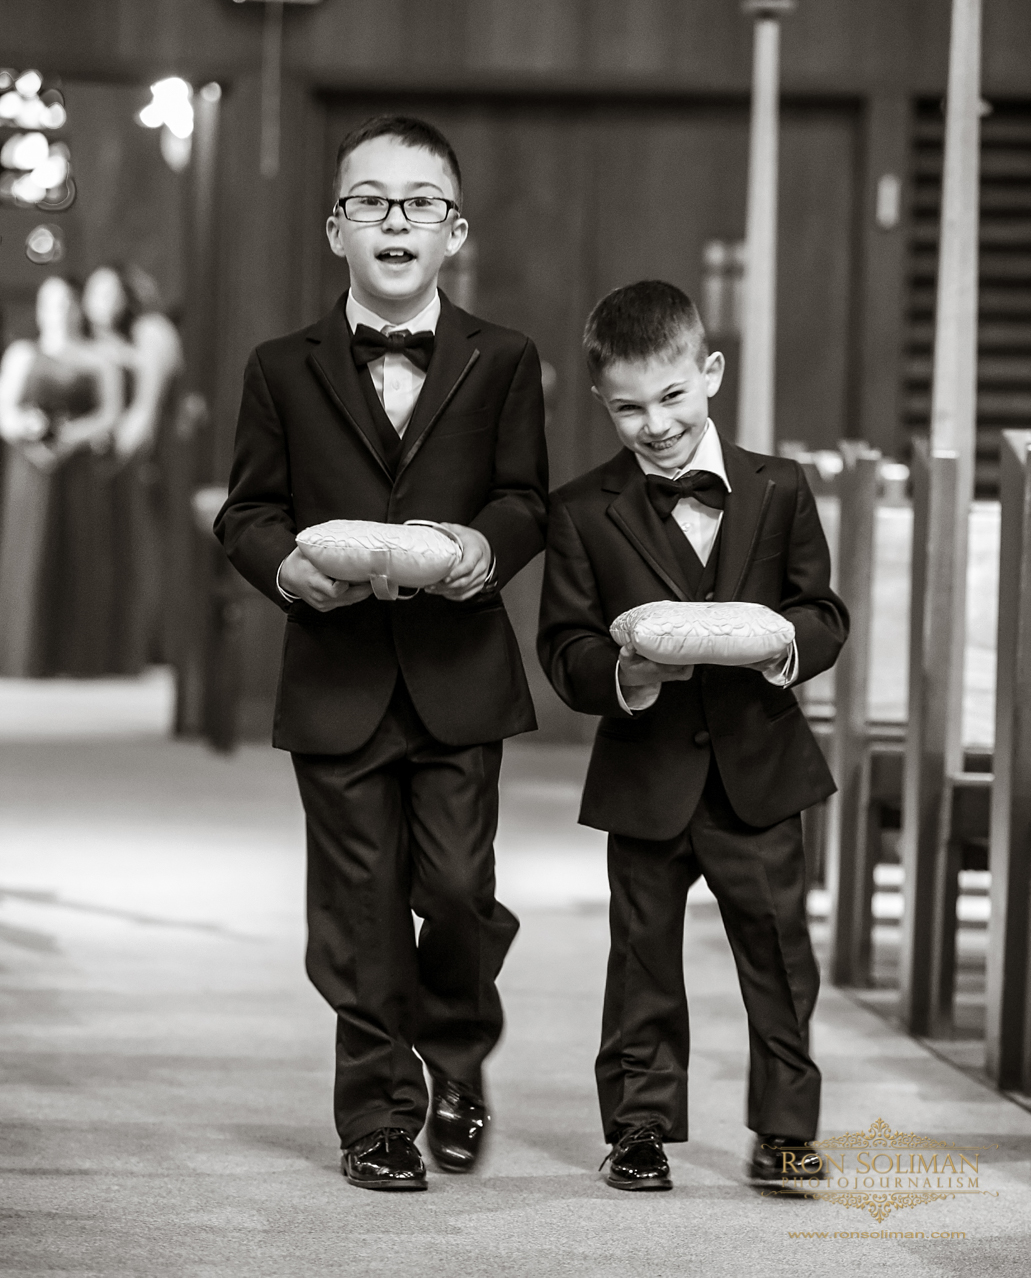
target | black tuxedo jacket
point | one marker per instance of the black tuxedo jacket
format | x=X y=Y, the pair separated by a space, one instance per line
x=608 y=551
x=308 y=450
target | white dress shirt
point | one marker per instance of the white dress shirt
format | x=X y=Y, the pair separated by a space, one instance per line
x=396 y=379
x=699 y=524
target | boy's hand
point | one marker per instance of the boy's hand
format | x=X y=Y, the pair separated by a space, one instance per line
x=638 y=672
x=299 y=576
x=468 y=575
x=778 y=670
x=770 y=663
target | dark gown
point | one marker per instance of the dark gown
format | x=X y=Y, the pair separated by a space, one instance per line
x=138 y=513
x=59 y=611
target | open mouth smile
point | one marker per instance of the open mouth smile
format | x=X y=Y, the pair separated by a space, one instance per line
x=395 y=256
x=663 y=445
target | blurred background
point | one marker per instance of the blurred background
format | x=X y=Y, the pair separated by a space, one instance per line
x=187 y=146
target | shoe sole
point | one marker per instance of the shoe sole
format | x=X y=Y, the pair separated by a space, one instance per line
x=454 y=1167
x=389 y=1185
x=453 y=1170
x=650 y=1185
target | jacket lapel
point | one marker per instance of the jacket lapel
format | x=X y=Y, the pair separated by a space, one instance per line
x=454 y=354
x=747 y=502
x=332 y=364
x=636 y=518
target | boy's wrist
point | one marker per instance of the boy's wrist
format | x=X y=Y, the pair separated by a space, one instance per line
x=633 y=698
x=279 y=584
x=490 y=582
x=781 y=671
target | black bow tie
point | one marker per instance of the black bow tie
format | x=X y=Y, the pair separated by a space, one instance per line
x=368 y=344
x=702 y=485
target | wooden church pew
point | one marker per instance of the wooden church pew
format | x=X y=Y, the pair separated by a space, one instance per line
x=1008 y=1032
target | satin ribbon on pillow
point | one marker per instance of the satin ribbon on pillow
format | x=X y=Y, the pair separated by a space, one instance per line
x=414 y=554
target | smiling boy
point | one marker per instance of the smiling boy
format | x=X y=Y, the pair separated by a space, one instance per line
x=694 y=769
x=395 y=406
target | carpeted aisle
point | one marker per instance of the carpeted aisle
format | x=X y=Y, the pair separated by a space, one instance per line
x=167 y=1070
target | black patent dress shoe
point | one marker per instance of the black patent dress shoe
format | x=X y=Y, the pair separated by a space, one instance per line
x=784 y=1159
x=457 y=1124
x=384 y=1159
x=638 y=1160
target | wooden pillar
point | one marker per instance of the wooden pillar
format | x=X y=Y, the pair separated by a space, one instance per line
x=755 y=417
x=271 y=87
x=191 y=454
x=954 y=386
x=926 y=796
x=199 y=325
x=934 y=753
x=852 y=876
x=1008 y=1033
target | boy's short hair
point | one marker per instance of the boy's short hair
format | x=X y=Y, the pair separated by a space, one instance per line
x=642 y=320
x=408 y=130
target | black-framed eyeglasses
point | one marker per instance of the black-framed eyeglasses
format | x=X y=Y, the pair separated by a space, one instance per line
x=421 y=210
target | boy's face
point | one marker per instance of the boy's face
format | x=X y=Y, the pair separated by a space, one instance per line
x=660 y=406
x=394 y=264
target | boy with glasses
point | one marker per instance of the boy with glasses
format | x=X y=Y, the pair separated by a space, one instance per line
x=694 y=769
x=395 y=406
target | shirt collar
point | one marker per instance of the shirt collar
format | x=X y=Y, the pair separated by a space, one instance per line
x=359 y=314
x=707 y=456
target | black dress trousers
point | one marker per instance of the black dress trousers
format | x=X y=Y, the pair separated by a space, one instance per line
x=404 y=823
x=758 y=879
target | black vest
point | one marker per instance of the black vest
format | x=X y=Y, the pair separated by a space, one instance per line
x=701 y=578
x=390 y=441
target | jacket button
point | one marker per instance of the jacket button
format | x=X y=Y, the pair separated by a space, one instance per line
x=708 y=597
x=702 y=738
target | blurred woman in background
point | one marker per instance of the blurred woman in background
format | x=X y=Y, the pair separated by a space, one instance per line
x=128 y=329
x=61 y=399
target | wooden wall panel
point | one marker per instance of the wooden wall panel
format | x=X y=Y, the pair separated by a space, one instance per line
x=1006 y=41
x=815 y=275
x=876 y=391
x=535 y=35
x=669 y=179
x=567 y=201
x=829 y=45
x=267 y=231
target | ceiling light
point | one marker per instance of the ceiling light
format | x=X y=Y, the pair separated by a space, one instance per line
x=170 y=107
x=29 y=83
x=24 y=151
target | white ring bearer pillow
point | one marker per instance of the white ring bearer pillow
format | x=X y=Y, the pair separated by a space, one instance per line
x=714 y=634
x=414 y=554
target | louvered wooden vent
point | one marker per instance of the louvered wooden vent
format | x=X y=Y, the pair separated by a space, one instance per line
x=1004 y=328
